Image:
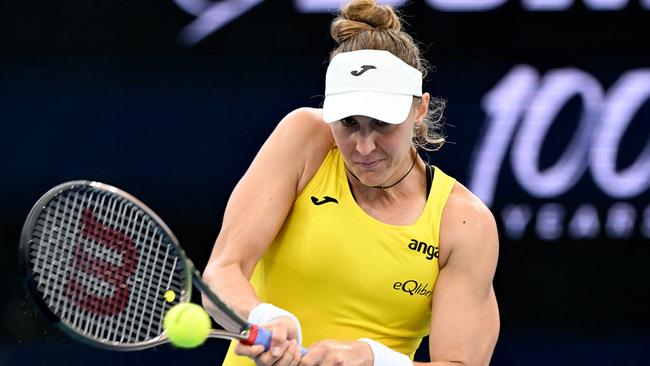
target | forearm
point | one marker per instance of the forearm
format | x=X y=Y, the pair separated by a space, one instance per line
x=232 y=286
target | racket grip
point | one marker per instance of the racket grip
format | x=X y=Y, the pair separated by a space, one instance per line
x=259 y=335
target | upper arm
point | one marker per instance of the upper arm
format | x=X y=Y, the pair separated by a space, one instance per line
x=465 y=318
x=263 y=197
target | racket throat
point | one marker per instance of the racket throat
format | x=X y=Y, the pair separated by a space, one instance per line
x=250 y=335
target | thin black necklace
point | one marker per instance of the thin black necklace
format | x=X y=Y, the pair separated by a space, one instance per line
x=390 y=186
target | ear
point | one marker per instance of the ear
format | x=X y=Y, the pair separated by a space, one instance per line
x=423 y=107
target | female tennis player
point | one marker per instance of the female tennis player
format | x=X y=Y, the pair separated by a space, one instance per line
x=340 y=238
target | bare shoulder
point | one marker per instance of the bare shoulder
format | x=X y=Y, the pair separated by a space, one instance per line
x=305 y=127
x=305 y=119
x=309 y=137
x=467 y=227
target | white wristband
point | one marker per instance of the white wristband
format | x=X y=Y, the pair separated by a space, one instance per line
x=264 y=313
x=384 y=356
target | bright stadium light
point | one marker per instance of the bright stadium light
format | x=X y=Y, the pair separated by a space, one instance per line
x=466 y=5
x=211 y=17
x=327 y=6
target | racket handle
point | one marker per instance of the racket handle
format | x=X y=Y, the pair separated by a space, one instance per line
x=259 y=335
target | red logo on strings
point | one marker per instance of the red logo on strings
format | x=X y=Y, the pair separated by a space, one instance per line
x=116 y=276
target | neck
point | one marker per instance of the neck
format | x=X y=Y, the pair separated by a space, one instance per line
x=384 y=187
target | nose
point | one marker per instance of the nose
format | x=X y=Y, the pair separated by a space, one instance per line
x=365 y=143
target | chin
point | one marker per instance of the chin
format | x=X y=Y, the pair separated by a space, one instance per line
x=369 y=179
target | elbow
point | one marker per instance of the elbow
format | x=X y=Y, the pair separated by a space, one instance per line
x=216 y=268
x=210 y=277
x=210 y=272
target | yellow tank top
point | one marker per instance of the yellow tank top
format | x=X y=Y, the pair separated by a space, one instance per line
x=346 y=275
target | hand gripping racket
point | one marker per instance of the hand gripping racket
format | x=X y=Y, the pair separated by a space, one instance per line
x=97 y=263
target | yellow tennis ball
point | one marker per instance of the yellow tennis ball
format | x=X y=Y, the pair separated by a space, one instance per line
x=187 y=325
x=170 y=295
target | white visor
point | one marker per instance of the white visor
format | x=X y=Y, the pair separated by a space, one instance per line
x=370 y=83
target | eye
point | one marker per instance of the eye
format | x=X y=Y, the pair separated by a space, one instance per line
x=348 y=122
x=379 y=123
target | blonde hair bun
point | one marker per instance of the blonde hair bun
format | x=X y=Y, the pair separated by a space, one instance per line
x=364 y=15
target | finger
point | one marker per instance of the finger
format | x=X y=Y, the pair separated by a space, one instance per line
x=289 y=356
x=331 y=359
x=279 y=341
x=269 y=358
x=314 y=356
x=336 y=360
x=248 y=351
x=297 y=354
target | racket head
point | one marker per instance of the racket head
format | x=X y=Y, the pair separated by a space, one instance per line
x=97 y=263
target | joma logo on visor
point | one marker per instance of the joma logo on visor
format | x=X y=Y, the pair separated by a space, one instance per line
x=364 y=68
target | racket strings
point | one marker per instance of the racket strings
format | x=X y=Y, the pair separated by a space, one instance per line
x=103 y=265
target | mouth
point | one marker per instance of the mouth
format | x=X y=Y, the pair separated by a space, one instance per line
x=369 y=164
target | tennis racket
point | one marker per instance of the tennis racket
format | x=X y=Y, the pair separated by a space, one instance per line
x=97 y=263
